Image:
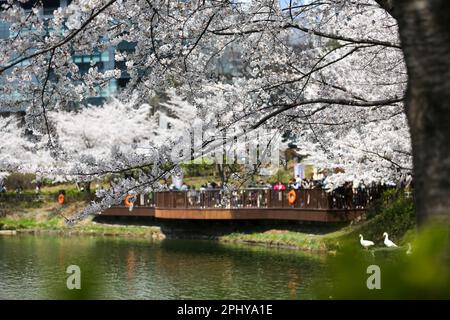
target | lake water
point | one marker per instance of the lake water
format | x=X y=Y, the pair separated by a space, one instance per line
x=34 y=267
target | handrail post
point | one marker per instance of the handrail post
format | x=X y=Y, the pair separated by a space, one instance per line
x=174 y=204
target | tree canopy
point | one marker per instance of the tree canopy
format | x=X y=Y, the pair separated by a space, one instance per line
x=332 y=72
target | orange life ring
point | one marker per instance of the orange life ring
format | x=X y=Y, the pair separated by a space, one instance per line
x=127 y=201
x=291 y=197
x=61 y=199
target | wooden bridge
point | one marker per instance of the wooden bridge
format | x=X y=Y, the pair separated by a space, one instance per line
x=246 y=204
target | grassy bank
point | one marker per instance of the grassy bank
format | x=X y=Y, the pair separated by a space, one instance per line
x=48 y=218
x=56 y=227
x=328 y=242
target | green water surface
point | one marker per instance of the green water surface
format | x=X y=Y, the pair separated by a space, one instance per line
x=34 y=267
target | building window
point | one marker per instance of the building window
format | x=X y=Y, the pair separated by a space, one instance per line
x=87 y=58
x=105 y=56
x=4 y=30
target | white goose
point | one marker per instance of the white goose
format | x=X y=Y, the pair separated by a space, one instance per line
x=365 y=243
x=388 y=243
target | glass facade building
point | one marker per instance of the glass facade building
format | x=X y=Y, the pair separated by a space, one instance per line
x=229 y=65
x=102 y=60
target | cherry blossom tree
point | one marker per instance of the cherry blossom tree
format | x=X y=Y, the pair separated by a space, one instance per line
x=101 y=134
x=334 y=72
x=374 y=153
x=19 y=153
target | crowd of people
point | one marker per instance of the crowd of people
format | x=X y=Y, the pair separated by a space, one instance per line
x=349 y=195
x=211 y=185
x=296 y=184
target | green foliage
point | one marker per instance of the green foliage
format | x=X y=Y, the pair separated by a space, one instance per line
x=23 y=200
x=198 y=168
x=394 y=214
x=74 y=195
x=16 y=179
x=29 y=199
x=282 y=175
x=422 y=274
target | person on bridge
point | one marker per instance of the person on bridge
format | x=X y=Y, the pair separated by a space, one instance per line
x=279 y=186
x=294 y=185
x=264 y=185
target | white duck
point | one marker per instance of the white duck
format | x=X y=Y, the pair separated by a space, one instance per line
x=365 y=243
x=388 y=243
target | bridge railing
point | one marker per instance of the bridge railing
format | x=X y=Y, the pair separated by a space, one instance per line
x=143 y=200
x=261 y=198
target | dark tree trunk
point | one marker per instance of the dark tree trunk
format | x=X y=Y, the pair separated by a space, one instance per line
x=424 y=27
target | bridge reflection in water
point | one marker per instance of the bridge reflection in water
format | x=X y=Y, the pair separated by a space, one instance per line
x=247 y=204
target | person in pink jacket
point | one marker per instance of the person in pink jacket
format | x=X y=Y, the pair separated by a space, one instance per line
x=279 y=186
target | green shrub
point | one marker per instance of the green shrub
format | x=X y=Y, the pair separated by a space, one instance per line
x=16 y=179
x=282 y=175
x=393 y=213
x=197 y=169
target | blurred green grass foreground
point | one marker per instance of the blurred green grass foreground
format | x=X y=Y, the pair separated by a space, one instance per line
x=422 y=272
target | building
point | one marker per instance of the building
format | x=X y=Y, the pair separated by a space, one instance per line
x=103 y=60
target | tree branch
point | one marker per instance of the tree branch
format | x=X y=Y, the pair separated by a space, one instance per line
x=312 y=31
x=44 y=111
x=60 y=43
x=345 y=102
x=198 y=39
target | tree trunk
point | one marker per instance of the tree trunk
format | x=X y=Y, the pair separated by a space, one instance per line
x=424 y=27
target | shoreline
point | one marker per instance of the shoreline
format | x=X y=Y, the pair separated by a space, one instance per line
x=87 y=233
x=155 y=233
x=46 y=219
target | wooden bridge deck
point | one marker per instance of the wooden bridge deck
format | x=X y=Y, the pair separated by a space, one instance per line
x=259 y=214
